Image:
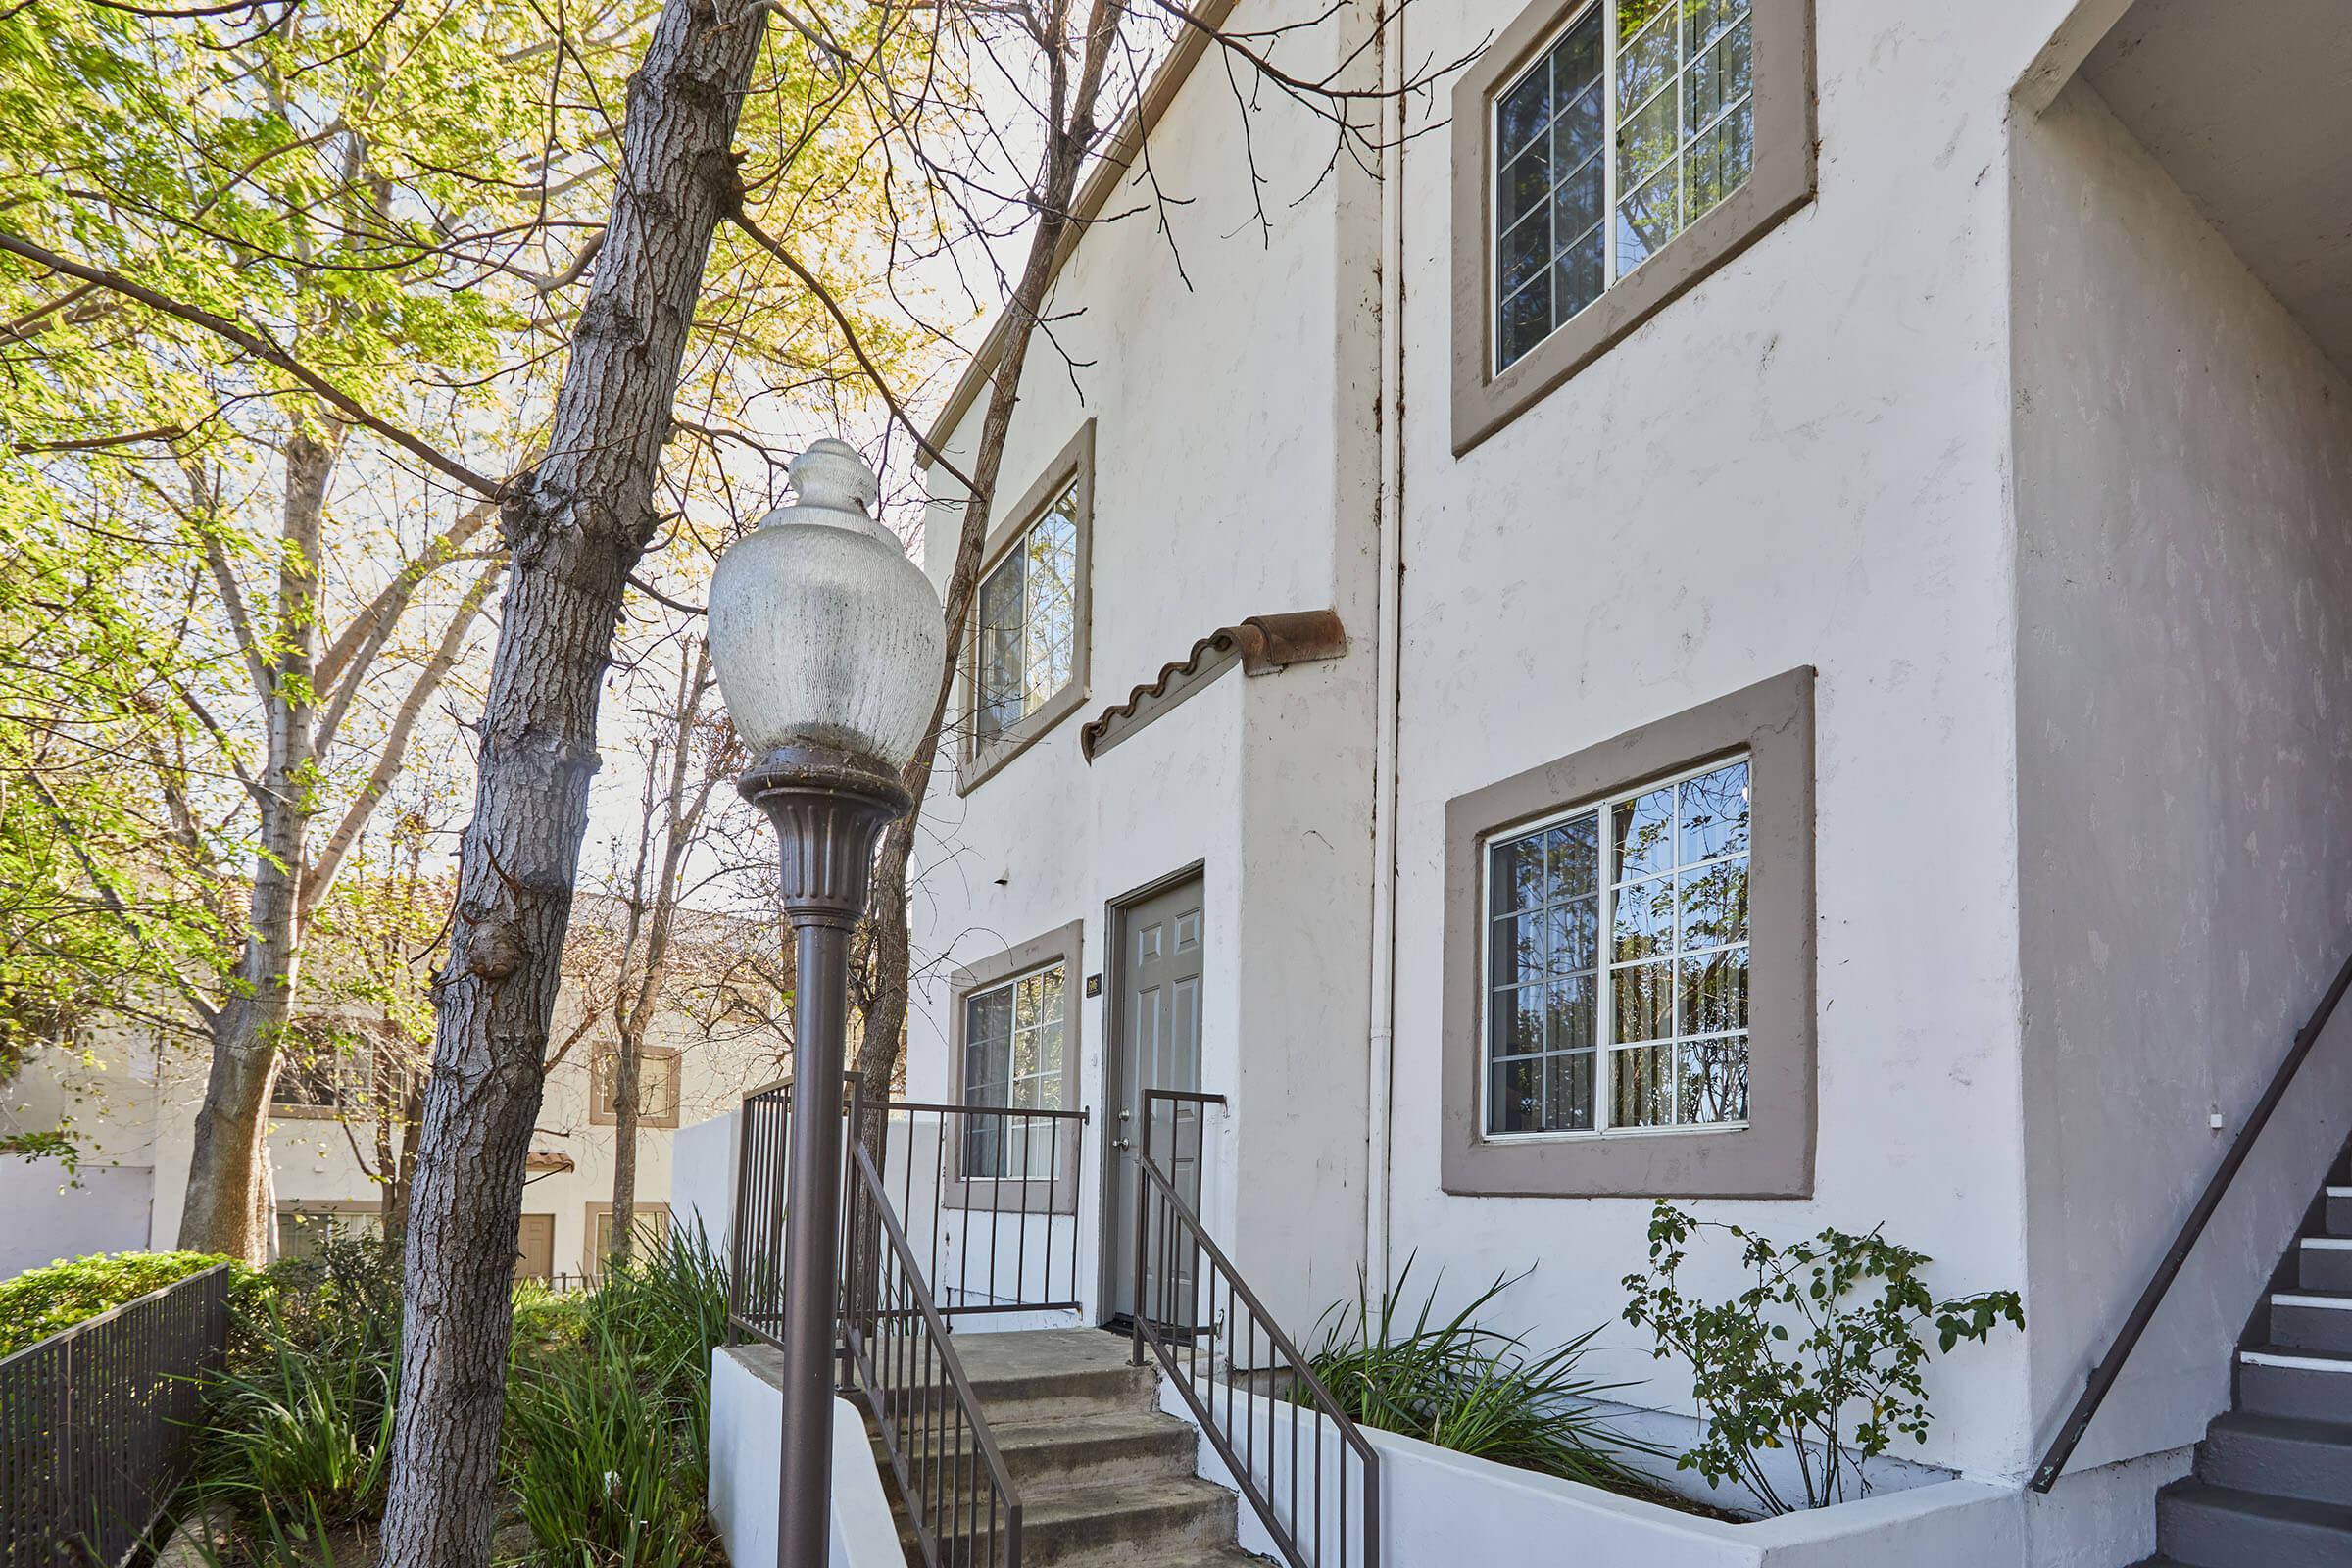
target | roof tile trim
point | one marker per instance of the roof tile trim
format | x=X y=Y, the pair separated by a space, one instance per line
x=1260 y=645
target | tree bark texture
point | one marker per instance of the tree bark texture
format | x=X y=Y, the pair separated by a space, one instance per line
x=223 y=1211
x=574 y=528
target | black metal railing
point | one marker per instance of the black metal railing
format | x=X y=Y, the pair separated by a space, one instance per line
x=1306 y=1468
x=960 y=1499
x=96 y=1423
x=986 y=1195
x=988 y=1198
x=2110 y=1366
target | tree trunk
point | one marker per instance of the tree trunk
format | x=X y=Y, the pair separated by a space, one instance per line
x=222 y=1212
x=628 y=1075
x=576 y=527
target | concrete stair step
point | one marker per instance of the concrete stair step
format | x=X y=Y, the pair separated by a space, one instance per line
x=2324 y=1263
x=1054 y=1373
x=2290 y=1381
x=2204 y=1526
x=2318 y=1320
x=2311 y=1461
x=2339 y=1210
x=1171 y=1522
x=1134 y=1446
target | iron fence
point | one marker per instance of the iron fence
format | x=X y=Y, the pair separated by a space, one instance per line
x=986 y=1196
x=1309 y=1472
x=96 y=1424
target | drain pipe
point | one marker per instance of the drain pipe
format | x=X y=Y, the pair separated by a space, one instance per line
x=1382 y=1044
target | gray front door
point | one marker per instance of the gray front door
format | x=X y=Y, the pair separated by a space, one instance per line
x=1156 y=1044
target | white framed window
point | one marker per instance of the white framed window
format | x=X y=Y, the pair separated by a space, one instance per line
x=1637 y=119
x=1012 y=1059
x=1028 y=622
x=1615 y=962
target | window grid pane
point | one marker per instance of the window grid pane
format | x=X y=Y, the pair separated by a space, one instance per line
x=1013 y=1061
x=1668 y=1031
x=1027 y=622
x=1642 y=110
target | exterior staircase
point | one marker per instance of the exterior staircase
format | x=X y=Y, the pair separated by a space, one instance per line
x=1106 y=1477
x=2273 y=1485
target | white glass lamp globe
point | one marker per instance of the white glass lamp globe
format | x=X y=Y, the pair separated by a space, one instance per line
x=823 y=633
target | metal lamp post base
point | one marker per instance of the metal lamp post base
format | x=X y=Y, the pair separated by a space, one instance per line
x=829 y=808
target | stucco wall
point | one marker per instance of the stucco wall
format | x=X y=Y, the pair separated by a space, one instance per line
x=1228 y=370
x=2185 y=672
x=1800 y=462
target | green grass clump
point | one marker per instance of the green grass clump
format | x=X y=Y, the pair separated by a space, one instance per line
x=1472 y=1389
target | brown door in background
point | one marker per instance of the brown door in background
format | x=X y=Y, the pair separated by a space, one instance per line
x=535 y=1247
x=1155 y=1045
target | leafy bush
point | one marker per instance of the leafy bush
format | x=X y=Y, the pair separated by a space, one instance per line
x=304 y=1440
x=1782 y=1363
x=1474 y=1389
x=42 y=1301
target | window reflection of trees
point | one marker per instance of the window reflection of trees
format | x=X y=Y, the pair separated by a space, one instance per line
x=1028 y=622
x=1013 y=1061
x=1671 y=1026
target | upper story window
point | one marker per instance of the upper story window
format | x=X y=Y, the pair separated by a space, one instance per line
x=656 y=1088
x=1012 y=1059
x=1026 y=658
x=1608 y=154
x=1628 y=130
x=1617 y=962
x=1028 y=622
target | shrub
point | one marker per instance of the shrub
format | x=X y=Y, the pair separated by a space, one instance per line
x=1826 y=1327
x=1472 y=1389
x=304 y=1440
x=42 y=1301
x=603 y=1461
x=609 y=1411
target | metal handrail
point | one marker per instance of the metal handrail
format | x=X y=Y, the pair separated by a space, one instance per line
x=903 y=1380
x=2111 y=1365
x=1301 y=1548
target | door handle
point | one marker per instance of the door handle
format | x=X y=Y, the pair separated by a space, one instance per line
x=1122 y=1143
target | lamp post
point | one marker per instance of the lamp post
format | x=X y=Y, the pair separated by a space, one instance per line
x=828 y=642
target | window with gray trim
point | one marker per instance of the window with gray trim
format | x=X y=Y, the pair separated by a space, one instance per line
x=1617 y=961
x=1024 y=658
x=1028 y=620
x=1012 y=1059
x=1014 y=1022
x=1635 y=123
x=1628 y=988
x=1607 y=155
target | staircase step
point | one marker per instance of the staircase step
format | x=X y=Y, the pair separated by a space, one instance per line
x=2317 y=1320
x=2324 y=1263
x=1049 y=1374
x=2305 y=1384
x=1132 y=1447
x=2205 y=1525
x=1168 y=1522
x=2278 y=1454
x=2339 y=1210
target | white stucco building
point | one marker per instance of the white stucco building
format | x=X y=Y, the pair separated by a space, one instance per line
x=132 y=1097
x=1917 y=449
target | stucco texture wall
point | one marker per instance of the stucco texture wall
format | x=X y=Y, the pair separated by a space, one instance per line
x=2185 y=675
x=1228 y=368
x=1800 y=462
